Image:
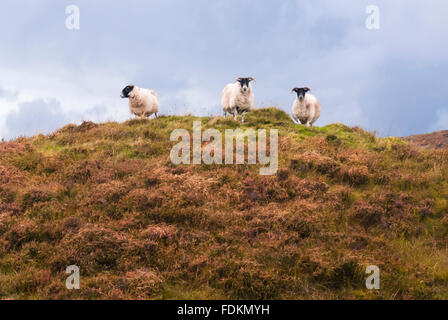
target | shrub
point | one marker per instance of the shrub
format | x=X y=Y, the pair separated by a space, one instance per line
x=368 y=215
x=354 y=175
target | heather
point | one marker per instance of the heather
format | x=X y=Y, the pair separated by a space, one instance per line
x=107 y=198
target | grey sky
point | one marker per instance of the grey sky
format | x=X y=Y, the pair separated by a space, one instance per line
x=390 y=80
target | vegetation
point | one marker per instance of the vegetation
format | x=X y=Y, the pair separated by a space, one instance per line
x=106 y=197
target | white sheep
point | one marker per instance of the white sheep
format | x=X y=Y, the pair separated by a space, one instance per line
x=305 y=109
x=238 y=98
x=142 y=102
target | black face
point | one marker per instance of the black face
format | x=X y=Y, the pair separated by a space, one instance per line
x=244 y=82
x=126 y=91
x=301 y=92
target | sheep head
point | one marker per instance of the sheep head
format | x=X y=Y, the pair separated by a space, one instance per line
x=301 y=92
x=245 y=83
x=126 y=91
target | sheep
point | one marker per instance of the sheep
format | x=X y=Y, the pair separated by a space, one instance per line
x=305 y=109
x=142 y=102
x=238 y=98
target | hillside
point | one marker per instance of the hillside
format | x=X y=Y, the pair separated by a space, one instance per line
x=433 y=140
x=107 y=198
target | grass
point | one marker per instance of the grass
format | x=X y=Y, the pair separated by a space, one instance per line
x=106 y=197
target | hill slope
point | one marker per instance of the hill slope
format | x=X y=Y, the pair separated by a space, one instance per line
x=437 y=140
x=106 y=197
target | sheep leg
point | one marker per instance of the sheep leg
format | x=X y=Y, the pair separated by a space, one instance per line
x=156 y=115
x=242 y=116
x=235 y=115
x=225 y=114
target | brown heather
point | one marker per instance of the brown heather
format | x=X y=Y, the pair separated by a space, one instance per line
x=105 y=197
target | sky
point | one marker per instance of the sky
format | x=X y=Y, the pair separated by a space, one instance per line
x=390 y=80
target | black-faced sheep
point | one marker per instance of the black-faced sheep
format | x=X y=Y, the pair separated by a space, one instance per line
x=238 y=97
x=305 y=109
x=142 y=102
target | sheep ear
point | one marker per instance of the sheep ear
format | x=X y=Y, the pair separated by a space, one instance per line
x=238 y=79
x=307 y=89
x=252 y=79
x=294 y=90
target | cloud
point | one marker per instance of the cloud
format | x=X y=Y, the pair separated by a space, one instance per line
x=7 y=95
x=196 y=101
x=38 y=116
x=47 y=115
x=442 y=121
x=104 y=113
x=80 y=95
x=187 y=52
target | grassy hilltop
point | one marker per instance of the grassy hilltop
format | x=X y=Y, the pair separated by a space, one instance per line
x=106 y=197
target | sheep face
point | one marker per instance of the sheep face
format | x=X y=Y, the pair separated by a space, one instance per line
x=301 y=92
x=126 y=91
x=245 y=83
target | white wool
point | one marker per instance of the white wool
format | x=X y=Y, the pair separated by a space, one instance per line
x=143 y=102
x=306 y=111
x=234 y=100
